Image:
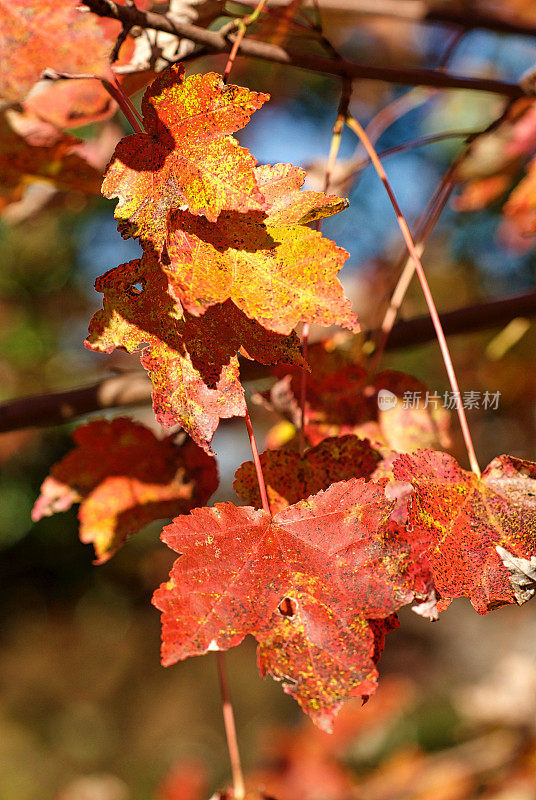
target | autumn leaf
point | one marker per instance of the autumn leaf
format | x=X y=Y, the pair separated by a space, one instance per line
x=52 y=34
x=124 y=477
x=290 y=477
x=69 y=103
x=304 y=583
x=33 y=150
x=402 y=426
x=342 y=399
x=271 y=265
x=335 y=391
x=192 y=362
x=187 y=157
x=143 y=321
x=480 y=532
x=521 y=205
x=481 y=192
x=281 y=24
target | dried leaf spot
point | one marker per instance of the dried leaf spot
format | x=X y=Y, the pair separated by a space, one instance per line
x=522 y=574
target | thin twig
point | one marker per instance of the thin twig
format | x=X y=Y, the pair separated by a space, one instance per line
x=239 y=789
x=57 y=408
x=406 y=270
x=303 y=389
x=336 y=134
x=125 y=30
x=334 y=147
x=360 y=132
x=124 y=101
x=476 y=317
x=475 y=19
x=242 y=26
x=425 y=12
x=411 y=144
x=391 y=113
x=425 y=226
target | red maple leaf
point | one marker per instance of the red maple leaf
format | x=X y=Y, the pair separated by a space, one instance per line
x=305 y=583
x=342 y=399
x=274 y=267
x=124 y=477
x=479 y=533
x=290 y=477
x=187 y=157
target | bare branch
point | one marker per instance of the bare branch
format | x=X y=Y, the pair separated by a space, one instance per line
x=134 y=388
x=476 y=20
x=55 y=408
x=340 y=67
x=464 y=320
x=421 y=11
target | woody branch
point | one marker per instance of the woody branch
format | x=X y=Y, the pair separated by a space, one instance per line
x=134 y=388
x=420 y=11
x=214 y=41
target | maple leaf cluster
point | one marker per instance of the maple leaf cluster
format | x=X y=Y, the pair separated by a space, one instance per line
x=229 y=265
x=319 y=579
x=359 y=524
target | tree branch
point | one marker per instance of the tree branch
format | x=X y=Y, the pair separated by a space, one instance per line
x=134 y=388
x=215 y=42
x=478 y=317
x=478 y=20
x=56 y=408
x=419 y=11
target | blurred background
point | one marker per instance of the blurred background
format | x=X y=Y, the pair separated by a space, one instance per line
x=86 y=710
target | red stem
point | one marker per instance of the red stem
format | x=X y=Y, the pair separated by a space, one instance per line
x=124 y=104
x=258 y=465
x=239 y=789
x=425 y=226
x=113 y=89
x=303 y=388
x=403 y=225
x=332 y=157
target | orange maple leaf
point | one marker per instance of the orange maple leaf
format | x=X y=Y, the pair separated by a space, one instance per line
x=187 y=157
x=124 y=477
x=53 y=34
x=274 y=267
